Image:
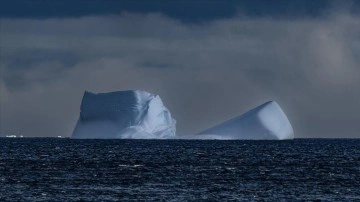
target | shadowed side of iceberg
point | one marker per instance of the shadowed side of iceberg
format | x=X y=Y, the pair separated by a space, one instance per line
x=124 y=114
x=265 y=122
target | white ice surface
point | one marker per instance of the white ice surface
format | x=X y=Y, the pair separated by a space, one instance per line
x=142 y=115
x=265 y=122
x=124 y=114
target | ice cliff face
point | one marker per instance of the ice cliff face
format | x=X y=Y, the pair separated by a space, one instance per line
x=124 y=114
x=142 y=115
x=266 y=121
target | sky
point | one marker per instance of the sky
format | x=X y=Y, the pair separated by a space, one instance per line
x=209 y=60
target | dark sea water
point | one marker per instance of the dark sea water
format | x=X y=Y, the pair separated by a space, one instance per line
x=55 y=169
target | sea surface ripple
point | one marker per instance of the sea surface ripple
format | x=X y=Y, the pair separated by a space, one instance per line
x=61 y=169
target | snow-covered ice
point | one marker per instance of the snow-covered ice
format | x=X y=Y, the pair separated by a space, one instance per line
x=138 y=114
x=267 y=121
x=124 y=114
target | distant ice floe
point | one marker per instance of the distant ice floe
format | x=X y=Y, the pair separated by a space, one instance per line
x=138 y=114
x=14 y=136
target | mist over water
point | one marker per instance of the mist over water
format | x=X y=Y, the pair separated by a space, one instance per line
x=204 y=72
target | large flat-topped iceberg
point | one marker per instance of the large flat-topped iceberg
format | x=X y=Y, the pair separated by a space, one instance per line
x=265 y=122
x=124 y=114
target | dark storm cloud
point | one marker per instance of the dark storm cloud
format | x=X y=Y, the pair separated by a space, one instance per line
x=205 y=73
x=196 y=11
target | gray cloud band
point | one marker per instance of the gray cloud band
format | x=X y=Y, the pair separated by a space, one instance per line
x=205 y=73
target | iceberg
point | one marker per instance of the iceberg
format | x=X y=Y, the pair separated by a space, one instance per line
x=129 y=114
x=265 y=122
x=136 y=114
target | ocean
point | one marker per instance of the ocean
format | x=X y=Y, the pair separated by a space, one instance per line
x=62 y=169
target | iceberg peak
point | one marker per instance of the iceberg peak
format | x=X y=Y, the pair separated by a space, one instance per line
x=266 y=121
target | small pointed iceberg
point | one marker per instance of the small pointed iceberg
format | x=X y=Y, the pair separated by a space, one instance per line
x=265 y=122
x=129 y=114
